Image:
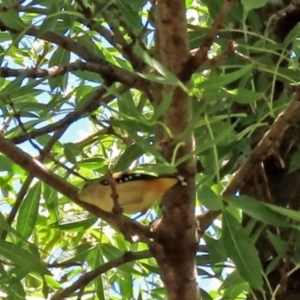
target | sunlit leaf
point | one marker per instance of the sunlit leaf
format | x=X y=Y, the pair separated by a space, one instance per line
x=11 y=19
x=28 y=211
x=8 y=165
x=208 y=198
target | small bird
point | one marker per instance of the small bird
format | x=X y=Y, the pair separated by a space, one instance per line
x=136 y=192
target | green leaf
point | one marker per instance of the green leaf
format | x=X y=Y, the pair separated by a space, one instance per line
x=130 y=15
x=5 y=226
x=132 y=126
x=28 y=211
x=221 y=81
x=166 y=76
x=201 y=146
x=205 y=295
x=208 y=198
x=233 y=279
x=79 y=253
x=51 y=200
x=14 y=90
x=12 y=86
x=279 y=245
x=2 y=52
x=292 y=35
x=87 y=41
x=45 y=139
x=71 y=151
x=69 y=16
x=22 y=258
x=49 y=23
x=73 y=222
x=293 y=214
x=253 y=4
x=16 y=291
x=7 y=165
x=11 y=19
x=295 y=162
x=241 y=95
x=188 y=3
x=127 y=106
x=196 y=36
x=213 y=6
x=234 y=286
x=52 y=283
x=273 y=264
x=93 y=163
x=258 y=210
x=216 y=250
x=130 y=154
x=60 y=57
x=241 y=250
x=158 y=168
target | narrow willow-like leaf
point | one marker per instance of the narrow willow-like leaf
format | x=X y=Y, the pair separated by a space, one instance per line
x=253 y=4
x=5 y=226
x=128 y=156
x=73 y=222
x=219 y=81
x=22 y=258
x=258 y=210
x=209 y=198
x=241 y=250
x=28 y=212
x=293 y=214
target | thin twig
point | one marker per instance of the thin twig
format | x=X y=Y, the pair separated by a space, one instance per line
x=97 y=99
x=200 y=56
x=87 y=20
x=88 y=277
x=125 y=225
x=115 y=73
x=117 y=209
x=17 y=116
x=5 y=124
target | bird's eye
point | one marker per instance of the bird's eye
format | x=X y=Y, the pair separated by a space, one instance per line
x=103 y=182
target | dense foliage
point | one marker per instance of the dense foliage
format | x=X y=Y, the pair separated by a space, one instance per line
x=89 y=87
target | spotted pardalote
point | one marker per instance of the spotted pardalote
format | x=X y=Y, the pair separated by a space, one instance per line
x=136 y=192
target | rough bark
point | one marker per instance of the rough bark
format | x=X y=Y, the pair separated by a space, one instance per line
x=175 y=240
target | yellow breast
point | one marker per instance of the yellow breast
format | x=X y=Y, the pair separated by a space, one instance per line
x=134 y=196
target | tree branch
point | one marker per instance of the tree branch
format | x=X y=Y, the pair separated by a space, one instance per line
x=115 y=74
x=266 y=147
x=200 y=56
x=87 y=19
x=28 y=180
x=88 y=277
x=111 y=72
x=178 y=219
x=126 y=226
x=98 y=98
